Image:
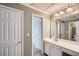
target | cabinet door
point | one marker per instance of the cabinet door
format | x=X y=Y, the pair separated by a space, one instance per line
x=47 y=48
x=55 y=50
x=77 y=31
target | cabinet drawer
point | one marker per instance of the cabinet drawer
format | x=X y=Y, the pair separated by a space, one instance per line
x=55 y=46
x=69 y=52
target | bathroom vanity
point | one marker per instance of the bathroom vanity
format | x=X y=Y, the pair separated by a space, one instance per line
x=61 y=47
x=65 y=29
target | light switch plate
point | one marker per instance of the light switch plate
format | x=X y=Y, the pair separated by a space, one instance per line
x=28 y=34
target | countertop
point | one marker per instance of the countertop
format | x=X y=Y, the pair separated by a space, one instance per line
x=71 y=45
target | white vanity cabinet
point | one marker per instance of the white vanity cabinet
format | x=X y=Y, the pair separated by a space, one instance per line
x=55 y=50
x=47 y=48
x=52 y=49
x=61 y=48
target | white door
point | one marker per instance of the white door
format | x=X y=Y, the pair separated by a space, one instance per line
x=10 y=32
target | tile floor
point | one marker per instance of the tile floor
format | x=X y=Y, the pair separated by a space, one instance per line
x=37 y=52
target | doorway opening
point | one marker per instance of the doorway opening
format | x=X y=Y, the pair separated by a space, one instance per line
x=37 y=35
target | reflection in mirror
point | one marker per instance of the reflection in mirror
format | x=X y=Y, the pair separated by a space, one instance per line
x=69 y=30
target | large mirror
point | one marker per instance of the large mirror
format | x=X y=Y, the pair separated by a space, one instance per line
x=65 y=23
x=68 y=30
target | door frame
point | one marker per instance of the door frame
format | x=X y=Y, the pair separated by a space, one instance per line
x=41 y=33
x=22 y=25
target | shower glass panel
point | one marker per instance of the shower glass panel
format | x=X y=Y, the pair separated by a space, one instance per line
x=36 y=35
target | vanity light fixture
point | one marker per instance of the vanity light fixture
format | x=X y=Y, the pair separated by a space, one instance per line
x=64 y=12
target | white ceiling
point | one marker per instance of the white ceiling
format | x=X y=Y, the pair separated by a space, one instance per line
x=42 y=6
x=48 y=7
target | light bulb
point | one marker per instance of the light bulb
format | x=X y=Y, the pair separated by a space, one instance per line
x=56 y=14
x=69 y=10
x=61 y=12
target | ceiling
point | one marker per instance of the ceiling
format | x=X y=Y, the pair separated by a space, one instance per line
x=48 y=7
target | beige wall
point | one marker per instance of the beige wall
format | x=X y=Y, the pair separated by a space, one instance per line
x=28 y=25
